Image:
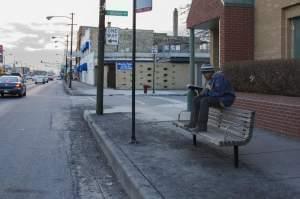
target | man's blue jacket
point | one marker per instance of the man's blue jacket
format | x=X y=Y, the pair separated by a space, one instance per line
x=221 y=88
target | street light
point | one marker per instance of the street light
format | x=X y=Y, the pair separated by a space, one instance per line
x=71 y=53
x=66 y=68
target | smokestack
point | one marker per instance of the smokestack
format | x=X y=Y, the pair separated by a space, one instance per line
x=175 y=22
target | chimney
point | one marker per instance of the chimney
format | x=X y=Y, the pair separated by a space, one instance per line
x=175 y=22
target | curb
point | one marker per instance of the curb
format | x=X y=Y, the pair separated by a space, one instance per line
x=132 y=180
x=67 y=90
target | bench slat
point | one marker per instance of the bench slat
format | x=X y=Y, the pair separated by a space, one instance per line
x=236 y=125
x=216 y=136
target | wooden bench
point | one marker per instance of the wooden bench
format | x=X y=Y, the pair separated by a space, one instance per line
x=226 y=127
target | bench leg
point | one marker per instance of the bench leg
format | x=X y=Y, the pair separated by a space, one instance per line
x=236 y=156
x=195 y=140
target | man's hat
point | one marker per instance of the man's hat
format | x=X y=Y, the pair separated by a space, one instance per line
x=207 y=68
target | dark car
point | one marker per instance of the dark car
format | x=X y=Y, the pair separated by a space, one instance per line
x=16 y=74
x=12 y=85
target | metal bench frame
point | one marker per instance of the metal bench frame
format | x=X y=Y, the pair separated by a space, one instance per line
x=233 y=125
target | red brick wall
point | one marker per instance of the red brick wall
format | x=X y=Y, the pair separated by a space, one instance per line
x=237 y=34
x=282 y=117
x=204 y=10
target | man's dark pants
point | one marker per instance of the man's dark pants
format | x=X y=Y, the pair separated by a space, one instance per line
x=200 y=108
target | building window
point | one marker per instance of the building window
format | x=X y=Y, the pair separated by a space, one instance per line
x=166 y=48
x=295 y=39
x=173 y=47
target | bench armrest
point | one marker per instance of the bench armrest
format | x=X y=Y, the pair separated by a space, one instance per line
x=227 y=130
x=179 y=115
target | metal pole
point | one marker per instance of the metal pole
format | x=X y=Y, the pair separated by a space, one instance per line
x=66 y=70
x=153 y=76
x=100 y=67
x=133 y=138
x=3 y=61
x=71 y=52
x=190 y=94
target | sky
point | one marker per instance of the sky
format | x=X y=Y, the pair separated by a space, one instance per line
x=26 y=34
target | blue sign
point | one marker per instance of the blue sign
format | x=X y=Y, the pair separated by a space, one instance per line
x=143 y=5
x=124 y=65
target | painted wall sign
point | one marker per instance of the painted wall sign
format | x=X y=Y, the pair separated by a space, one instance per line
x=124 y=65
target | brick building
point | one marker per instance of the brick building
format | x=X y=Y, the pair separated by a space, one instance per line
x=248 y=29
x=254 y=30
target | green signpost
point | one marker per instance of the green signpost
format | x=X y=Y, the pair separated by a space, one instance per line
x=116 y=13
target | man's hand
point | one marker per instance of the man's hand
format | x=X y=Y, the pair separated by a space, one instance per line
x=208 y=86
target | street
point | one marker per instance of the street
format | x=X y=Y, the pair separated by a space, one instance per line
x=47 y=151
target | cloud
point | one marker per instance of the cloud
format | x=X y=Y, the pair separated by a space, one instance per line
x=30 y=43
x=30 y=49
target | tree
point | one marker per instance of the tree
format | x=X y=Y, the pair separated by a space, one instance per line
x=202 y=34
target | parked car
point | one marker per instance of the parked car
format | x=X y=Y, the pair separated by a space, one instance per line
x=39 y=79
x=46 y=78
x=28 y=77
x=16 y=74
x=13 y=85
x=50 y=77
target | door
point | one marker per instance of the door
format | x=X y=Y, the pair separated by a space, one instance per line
x=111 y=76
x=296 y=45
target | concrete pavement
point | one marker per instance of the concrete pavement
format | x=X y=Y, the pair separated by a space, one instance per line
x=165 y=164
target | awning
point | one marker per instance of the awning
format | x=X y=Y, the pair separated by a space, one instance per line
x=85 y=46
x=82 y=67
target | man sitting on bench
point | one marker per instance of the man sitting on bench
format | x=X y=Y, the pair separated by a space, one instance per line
x=218 y=92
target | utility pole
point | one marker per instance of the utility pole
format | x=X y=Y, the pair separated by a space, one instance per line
x=133 y=138
x=66 y=69
x=100 y=67
x=154 y=53
x=190 y=94
x=153 y=75
x=71 y=53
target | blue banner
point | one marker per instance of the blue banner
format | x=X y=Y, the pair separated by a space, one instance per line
x=124 y=65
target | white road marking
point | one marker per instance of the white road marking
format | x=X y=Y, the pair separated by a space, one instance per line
x=140 y=102
x=169 y=100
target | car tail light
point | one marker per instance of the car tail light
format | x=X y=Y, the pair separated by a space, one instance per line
x=18 y=85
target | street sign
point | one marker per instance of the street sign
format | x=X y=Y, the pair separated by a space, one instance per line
x=154 y=50
x=112 y=36
x=143 y=5
x=124 y=66
x=116 y=13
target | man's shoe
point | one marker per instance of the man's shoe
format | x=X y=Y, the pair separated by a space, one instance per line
x=189 y=125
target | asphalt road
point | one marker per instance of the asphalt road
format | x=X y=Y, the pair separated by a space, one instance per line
x=47 y=151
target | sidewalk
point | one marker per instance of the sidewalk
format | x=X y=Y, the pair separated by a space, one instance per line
x=82 y=89
x=165 y=164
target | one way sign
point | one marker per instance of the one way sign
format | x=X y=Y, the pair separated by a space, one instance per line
x=112 y=36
